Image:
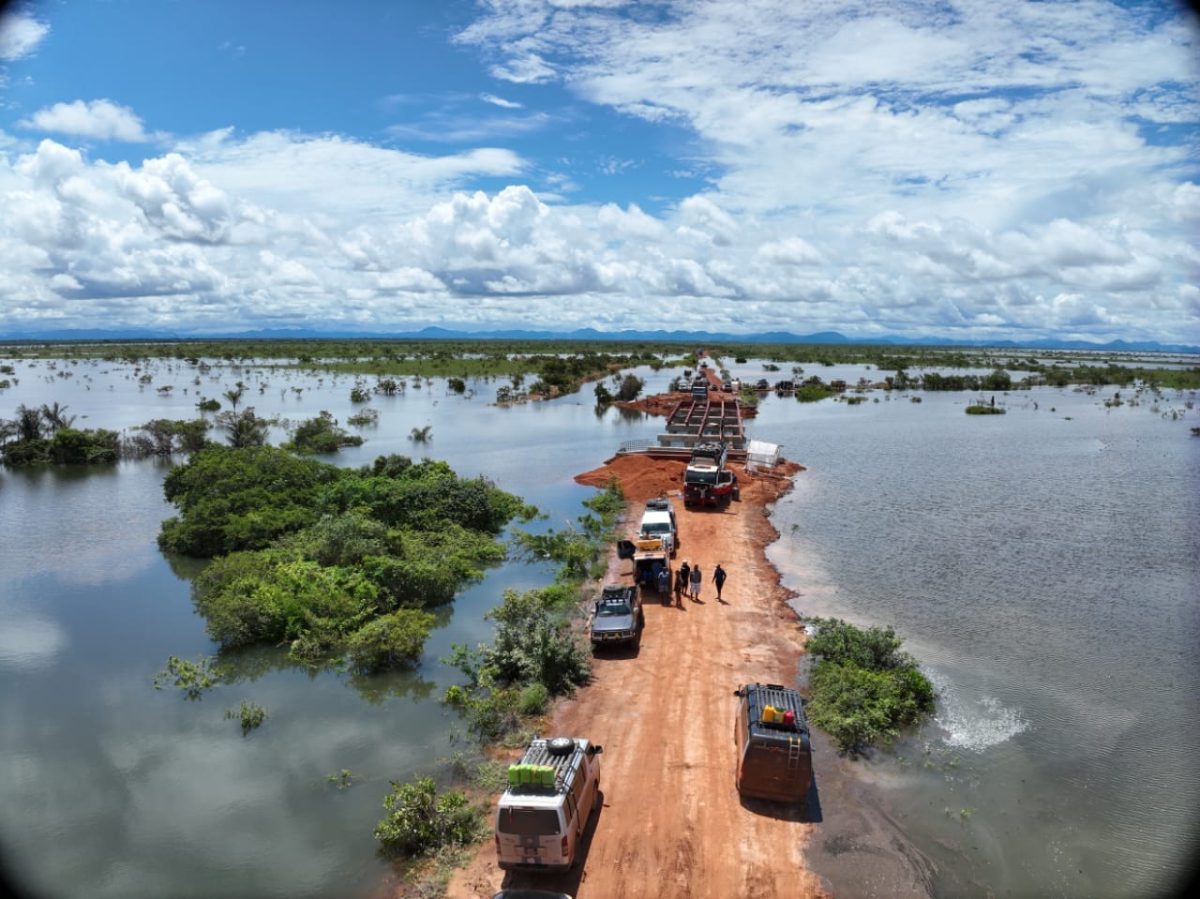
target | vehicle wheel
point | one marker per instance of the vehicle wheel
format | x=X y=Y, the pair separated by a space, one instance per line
x=560 y=745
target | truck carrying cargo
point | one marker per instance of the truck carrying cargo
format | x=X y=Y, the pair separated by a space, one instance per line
x=542 y=815
x=706 y=480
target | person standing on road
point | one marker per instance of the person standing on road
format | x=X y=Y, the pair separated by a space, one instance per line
x=681 y=582
x=719 y=580
x=664 y=584
x=685 y=573
x=697 y=579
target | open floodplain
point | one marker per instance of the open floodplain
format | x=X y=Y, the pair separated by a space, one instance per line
x=1041 y=564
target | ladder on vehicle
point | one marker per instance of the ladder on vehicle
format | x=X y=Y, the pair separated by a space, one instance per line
x=794 y=752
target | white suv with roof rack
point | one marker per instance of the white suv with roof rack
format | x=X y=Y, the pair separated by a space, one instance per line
x=543 y=814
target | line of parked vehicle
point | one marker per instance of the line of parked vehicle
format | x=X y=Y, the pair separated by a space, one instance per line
x=555 y=788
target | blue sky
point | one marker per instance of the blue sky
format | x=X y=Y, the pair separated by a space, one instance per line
x=972 y=169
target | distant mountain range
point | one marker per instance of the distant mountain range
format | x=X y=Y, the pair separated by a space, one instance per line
x=699 y=338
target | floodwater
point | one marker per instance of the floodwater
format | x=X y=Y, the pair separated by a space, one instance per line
x=1041 y=564
x=111 y=788
x=1043 y=567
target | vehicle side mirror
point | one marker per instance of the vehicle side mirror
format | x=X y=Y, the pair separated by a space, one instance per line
x=595 y=750
x=739 y=692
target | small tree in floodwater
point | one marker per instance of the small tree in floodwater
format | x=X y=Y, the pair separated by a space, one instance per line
x=56 y=417
x=244 y=429
x=421 y=435
x=235 y=395
x=29 y=423
x=631 y=386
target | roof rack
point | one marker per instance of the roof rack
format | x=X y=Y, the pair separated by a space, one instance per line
x=563 y=764
x=785 y=699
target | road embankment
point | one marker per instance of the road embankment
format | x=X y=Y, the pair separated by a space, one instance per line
x=672 y=824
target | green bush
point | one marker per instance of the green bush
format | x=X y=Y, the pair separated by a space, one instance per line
x=859 y=707
x=630 y=387
x=984 y=409
x=321 y=434
x=191 y=677
x=533 y=699
x=249 y=714
x=419 y=820
x=842 y=643
x=811 y=393
x=534 y=644
x=864 y=689
x=283 y=600
x=240 y=498
x=390 y=641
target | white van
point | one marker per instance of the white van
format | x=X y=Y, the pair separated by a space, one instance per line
x=551 y=794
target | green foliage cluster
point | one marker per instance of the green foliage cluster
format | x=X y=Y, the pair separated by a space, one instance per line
x=998 y=380
x=812 y=390
x=984 y=409
x=330 y=560
x=630 y=387
x=420 y=820
x=363 y=418
x=191 y=677
x=321 y=434
x=535 y=654
x=240 y=498
x=68 y=446
x=558 y=374
x=390 y=640
x=44 y=435
x=244 y=428
x=249 y=714
x=864 y=689
x=579 y=552
x=166 y=437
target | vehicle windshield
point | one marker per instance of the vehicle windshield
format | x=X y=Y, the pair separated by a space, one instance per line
x=700 y=477
x=657 y=527
x=612 y=609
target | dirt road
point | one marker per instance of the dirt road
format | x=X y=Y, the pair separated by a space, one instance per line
x=672 y=823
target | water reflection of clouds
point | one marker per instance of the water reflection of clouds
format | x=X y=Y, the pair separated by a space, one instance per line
x=29 y=642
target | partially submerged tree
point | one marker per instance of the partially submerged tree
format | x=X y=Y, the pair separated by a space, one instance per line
x=245 y=428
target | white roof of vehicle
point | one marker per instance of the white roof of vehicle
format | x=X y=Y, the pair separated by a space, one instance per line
x=656 y=515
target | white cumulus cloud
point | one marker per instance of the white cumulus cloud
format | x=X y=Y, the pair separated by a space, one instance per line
x=94 y=119
x=20 y=33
